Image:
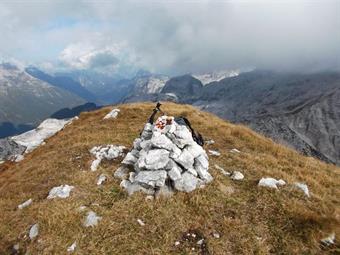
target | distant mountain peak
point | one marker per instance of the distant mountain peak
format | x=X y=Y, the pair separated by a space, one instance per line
x=209 y=77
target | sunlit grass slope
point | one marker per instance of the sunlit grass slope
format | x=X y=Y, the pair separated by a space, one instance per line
x=249 y=219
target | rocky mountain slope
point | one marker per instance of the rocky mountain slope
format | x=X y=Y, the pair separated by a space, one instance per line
x=64 y=82
x=107 y=89
x=26 y=101
x=209 y=77
x=52 y=203
x=298 y=110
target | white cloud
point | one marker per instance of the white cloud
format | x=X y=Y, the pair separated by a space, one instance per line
x=174 y=36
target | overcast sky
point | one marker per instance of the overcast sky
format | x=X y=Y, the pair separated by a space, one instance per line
x=172 y=37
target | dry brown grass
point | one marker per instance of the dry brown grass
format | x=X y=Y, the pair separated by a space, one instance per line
x=251 y=220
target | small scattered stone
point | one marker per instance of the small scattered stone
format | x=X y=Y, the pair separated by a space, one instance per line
x=214 y=153
x=112 y=115
x=72 y=247
x=209 y=142
x=34 y=231
x=329 y=240
x=25 y=204
x=140 y=222
x=94 y=165
x=108 y=152
x=91 y=219
x=216 y=235
x=200 y=242
x=19 y=158
x=82 y=208
x=236 y=176
x=271 y=183
x=149 y=198
x=177 y=243
x=16 y=248
x=62 y=191
x=102 y=178
x=234 y=151
x=224 y=172
x=303 y=187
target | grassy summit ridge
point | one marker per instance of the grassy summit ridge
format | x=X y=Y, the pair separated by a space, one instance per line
x=249 y=219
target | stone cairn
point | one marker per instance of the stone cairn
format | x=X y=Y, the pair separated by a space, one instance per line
x=165 y=158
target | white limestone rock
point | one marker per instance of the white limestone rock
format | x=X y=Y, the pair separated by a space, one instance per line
x=147 y=132
x=140 y=222
x=108 y=152
x=202 y=171
x=62 y=191
x=195 y=150
x=101 y=179
x=187 y=183
x=72 y=247
x=95 y=164
x=91 y=219
x=161 y=141
x=112 y=115
x=18 y=158
x=224 y=172
x=303 y=187
x=235 y=151
x=122 y=172
x=181 y=136
x=34 y=138
x=185 y=159
x=25 y=204
x=271 y=183
x=214 y=153
x=16 y=248
x=209 y=142
x=203 y=160
x=136 y=144
x=131 y=188
x=329 y=240
x=175 y=173
x=34 y=231
x=151 y=178
x=236 y=176
x=154 y=159
x=130 y=159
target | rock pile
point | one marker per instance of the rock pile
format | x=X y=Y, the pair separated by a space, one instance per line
x=108 y=152
x=163 y=159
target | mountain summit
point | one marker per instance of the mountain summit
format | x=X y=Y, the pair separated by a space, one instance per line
x=264 y=198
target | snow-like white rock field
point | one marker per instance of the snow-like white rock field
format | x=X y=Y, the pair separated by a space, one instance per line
x=34 y=138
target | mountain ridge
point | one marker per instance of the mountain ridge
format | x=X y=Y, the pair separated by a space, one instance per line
x=248 y=218
x=263 y=94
